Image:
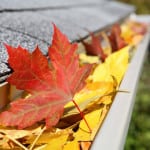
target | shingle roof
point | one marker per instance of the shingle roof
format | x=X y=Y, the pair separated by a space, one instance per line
x=29 y=23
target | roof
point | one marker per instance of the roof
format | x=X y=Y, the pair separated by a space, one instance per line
x=29 y=23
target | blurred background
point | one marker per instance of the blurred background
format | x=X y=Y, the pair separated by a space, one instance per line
x=142 y=6
x=138 y=137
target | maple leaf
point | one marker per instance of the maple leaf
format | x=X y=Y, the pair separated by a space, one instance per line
x=94 y=48
x=51 y=85
x=116 y=41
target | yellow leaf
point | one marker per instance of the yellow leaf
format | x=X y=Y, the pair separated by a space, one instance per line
x=107 y=50
x=101 y=73
x=126 y=33
x=104 y=111
x=106 y=100
x=88 y=59
x=94 y=89
x=57 y=142
x=92 y=92
x=129 y=35
x=4 y=143
x=93 y=119
x=73 y=145
x=17 y=134
x=48 y=135
x=115 y=65
x=113 y=68
x=41 y=147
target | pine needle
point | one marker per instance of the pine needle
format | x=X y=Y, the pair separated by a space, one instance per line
x=36 y=139
x=16 y=142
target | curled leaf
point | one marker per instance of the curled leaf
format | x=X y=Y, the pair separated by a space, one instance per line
x=94 y=48
x=116 y=41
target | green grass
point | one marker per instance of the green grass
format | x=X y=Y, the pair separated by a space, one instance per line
x=139 y=131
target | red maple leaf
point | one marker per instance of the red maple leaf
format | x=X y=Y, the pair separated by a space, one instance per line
x=94 y=48
x=51 y=85
x=116 y=41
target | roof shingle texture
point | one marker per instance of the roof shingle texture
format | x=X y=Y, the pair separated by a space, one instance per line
x=29 y=23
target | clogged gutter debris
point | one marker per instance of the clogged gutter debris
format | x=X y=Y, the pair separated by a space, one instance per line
x=66 y=99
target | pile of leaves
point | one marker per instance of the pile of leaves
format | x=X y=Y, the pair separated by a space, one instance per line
x=66 y=100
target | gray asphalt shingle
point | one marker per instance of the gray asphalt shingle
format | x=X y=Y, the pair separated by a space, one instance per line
x=36 y=4
x=29 y=23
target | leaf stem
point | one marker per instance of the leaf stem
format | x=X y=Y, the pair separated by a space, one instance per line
x=82 y=115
